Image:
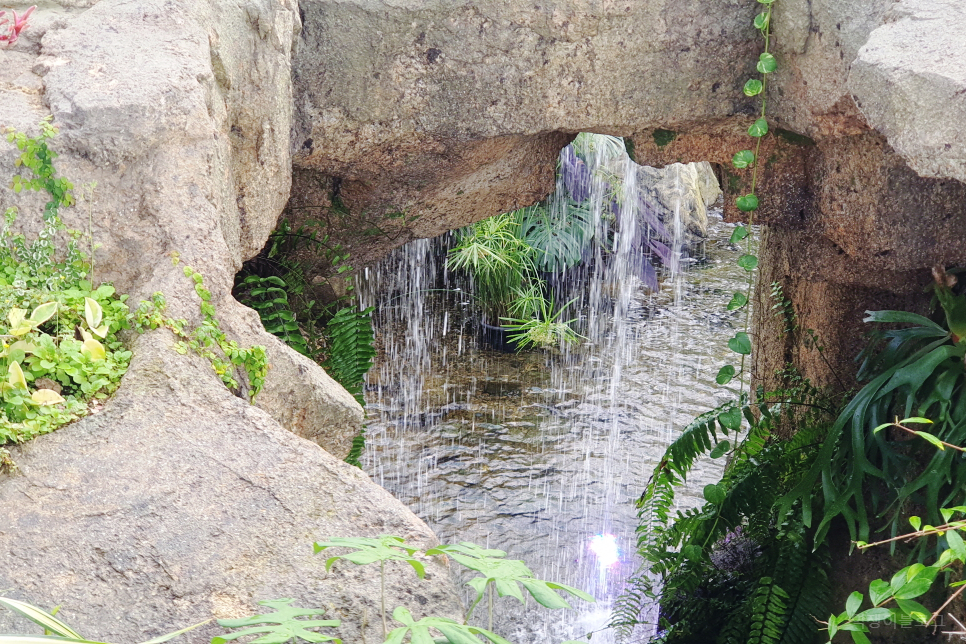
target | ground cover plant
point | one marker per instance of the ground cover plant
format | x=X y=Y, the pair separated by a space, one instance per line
x=286 y=623
x=61 y=353
x=60 y=350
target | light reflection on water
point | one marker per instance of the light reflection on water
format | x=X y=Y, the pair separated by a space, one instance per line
x=537 y=453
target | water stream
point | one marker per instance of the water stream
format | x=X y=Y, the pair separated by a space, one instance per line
x=537 y=453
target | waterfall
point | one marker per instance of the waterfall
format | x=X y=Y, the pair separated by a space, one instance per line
x=542 y=454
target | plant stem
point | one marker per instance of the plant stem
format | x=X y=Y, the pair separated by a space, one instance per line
x=946 y=603
x=491 y=606
x=766 y=32
x=913 y=432
x=382 y=596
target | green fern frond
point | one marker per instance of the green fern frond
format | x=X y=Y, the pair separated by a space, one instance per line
x=357 y=449
x=349 y=339
x=768 y=612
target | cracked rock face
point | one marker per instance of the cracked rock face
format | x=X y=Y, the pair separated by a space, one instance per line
x=180 y=502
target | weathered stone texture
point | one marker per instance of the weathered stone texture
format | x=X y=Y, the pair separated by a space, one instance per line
x=180 y=502
x=181 y=114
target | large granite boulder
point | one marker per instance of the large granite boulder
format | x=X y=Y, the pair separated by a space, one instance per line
x=180 y=502
x=449 y=114
x=909 y=81
x=181 y=114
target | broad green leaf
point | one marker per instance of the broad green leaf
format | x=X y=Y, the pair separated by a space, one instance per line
x=738 y=300
x=753 y=87
x=543 y=594
x=761 y=20
x=913 y=609
x=748 y=262
x=956 y=544
x=94 y=349
x=730 y=419
x=739 y=233
x=879 y=591
x=833 y=626
x=932 y=439
x=46 y=397
x=743 y=159
x=766 y=63
x=15 y=376
x=873 y=615
x=720 y=449
x=918 y=585
x=714 y=494
x=759 y=128
x=692 y=552
x=916 y=419
x=860 y=638
x=915 y=522
x=853 y=603
x=741 y=343
x=280 y=626
x=43 y=313
x=947 y=513
x=725 y=374
x=40 y=617
x=17 y=317
x=747 y=203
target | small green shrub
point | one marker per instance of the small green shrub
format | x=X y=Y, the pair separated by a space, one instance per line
x=60 y=349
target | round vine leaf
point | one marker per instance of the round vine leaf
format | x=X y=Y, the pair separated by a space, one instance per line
x=741 y=343
x=761 y=20
x=767 y=63
x=739 y=233
x=748 y=262
x=759 y=128
x=747 y=203
x=730 y=419
x=725 y=374
x=720 y=449
x=692 y=552
x=753 y=87
x=743 y=159
x=714 y=494
x=738 y=300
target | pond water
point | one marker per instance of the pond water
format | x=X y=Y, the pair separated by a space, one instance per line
x=538 y=453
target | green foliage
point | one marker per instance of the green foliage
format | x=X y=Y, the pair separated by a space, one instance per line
x=60 y=349
x=917 y=369
x=453 y=631
x=729 y=571
x=505 y=574
x=663 y=137
x=207 y=339
x=349 y=339
x=369 y=550
x=908 y=583
x=497 y=257
x=280 y=626
x=543 y=331
x=36 y=156
x=56 y=630
x=357 y=449
x=558 y=236
x=269 y=297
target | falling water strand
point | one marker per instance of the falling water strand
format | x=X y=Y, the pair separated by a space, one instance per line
x=542 y=454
